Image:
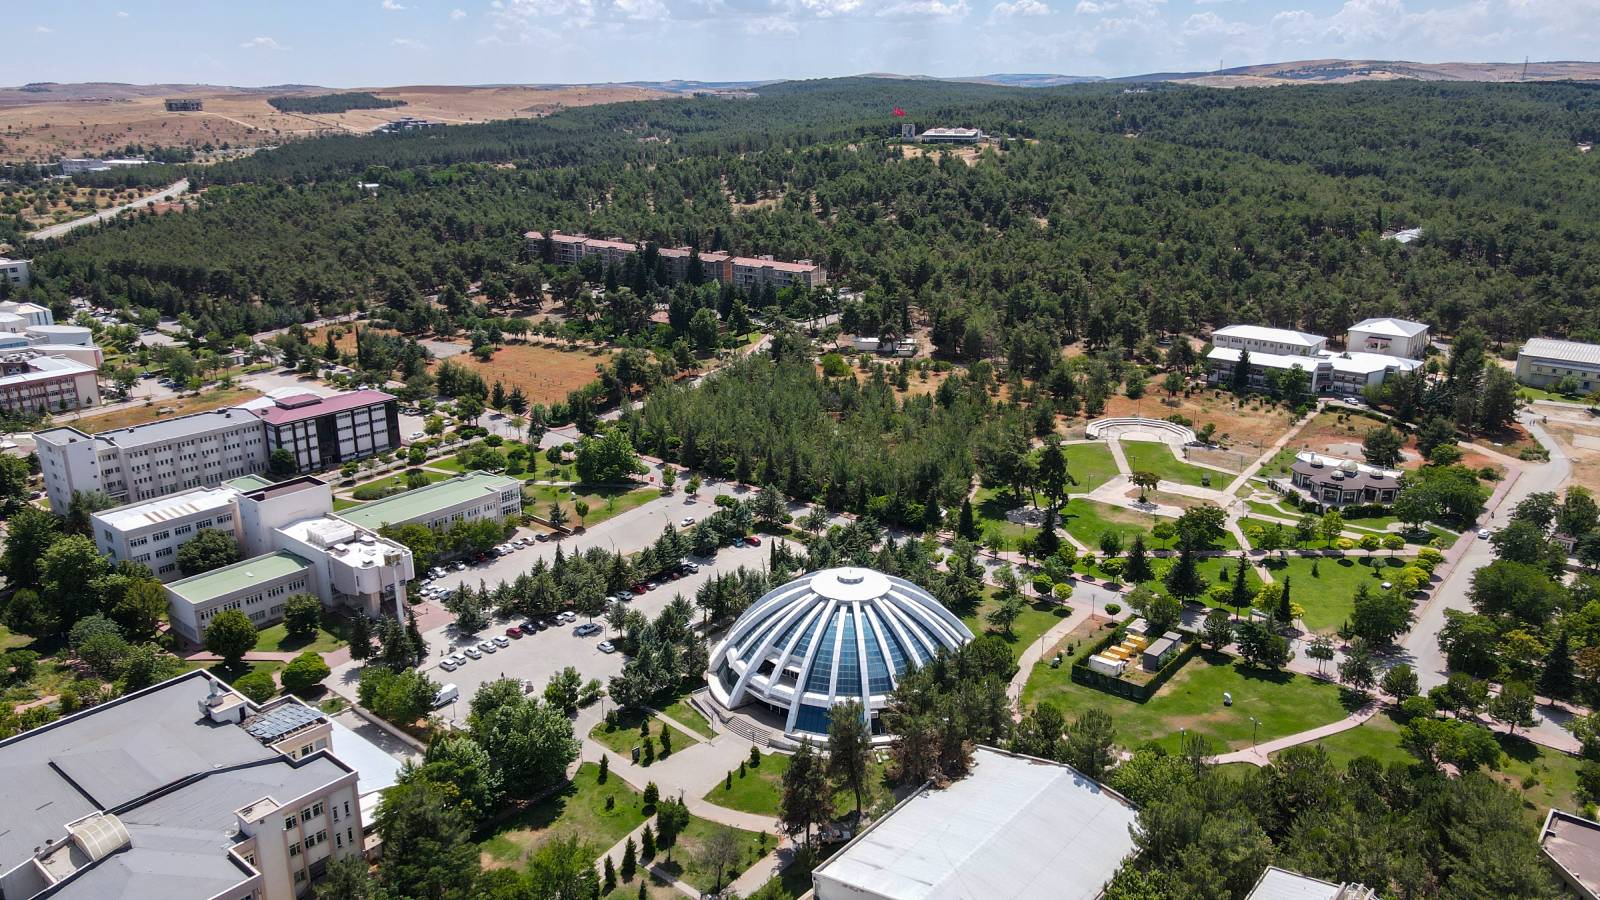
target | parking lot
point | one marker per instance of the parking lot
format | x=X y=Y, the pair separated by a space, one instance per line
x=535 y=657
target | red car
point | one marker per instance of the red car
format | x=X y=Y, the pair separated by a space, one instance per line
x=639 y=589
x=754 y=540
x=514 y=632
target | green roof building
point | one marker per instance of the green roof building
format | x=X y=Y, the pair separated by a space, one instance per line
x=472 y=496
x=257 y=587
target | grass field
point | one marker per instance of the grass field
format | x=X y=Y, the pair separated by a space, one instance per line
x=1284 y=703
x=151 y=412
x=1546 y=778
x=1044 y=682
x=622 y=739
x=545 y=374
x=276 y=638
x=1291 y=542
x=1148 y=456
x=398 y=480
x=1091 y=464
x=1329 y=596
x=681 y=712
x=1087 y=520
x=604 y=502
x=579 y=810
x=761 y=789
x=1037 y=618
x=685 y=860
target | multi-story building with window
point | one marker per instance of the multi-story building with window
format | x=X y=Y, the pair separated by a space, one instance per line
x=153 y=460
x=182 y=791
x=150 y=532
x=32 y=314
x=205 y=449
x=324 y=432
x=1329 y=482
x=14 y=271
x=468 y=497
x=258 y=587
x=34 y=383
x=1391 y=337
x=746 y=272
x=1258 y=339
x=1547 y=362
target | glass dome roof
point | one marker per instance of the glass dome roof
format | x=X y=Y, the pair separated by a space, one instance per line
x=830 y=636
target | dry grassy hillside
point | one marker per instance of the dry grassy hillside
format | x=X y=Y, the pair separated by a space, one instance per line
x=93 y=119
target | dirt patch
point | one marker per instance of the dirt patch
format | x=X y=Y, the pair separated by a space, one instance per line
x=150 y=412
x=1254 y=424
x=1585 y=461
x=1340 y=433
x=545 y=373
x=967 y=153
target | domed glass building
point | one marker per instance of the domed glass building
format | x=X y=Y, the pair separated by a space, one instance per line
x=828 y=637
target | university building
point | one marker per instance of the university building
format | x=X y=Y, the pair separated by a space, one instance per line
x=185 y=790
x=1278 y=350
x=1546 y=362
x=747 y=272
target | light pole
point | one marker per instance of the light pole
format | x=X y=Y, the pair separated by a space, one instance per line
x=1255 y=728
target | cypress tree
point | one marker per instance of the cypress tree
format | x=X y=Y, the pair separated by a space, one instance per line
x=1556 y=680
x=630 y=860
x=965 y=526
x=1285 y=614
x=1136 y=568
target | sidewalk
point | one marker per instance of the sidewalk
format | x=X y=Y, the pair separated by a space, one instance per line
x=1260 y=754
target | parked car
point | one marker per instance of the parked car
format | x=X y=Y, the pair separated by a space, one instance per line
x=501 y=641
x=514 y=632
x=639 y=588
x=755 y=540
x=460 y=659
x=447 y=664
x=416 y=435
x=487 y=646
x=689 y=568
x=461 y=567
x=586 y=629
x=649 y=585
x=607 y=647
x=686 y=522
x=566 y=616
x=472 y=652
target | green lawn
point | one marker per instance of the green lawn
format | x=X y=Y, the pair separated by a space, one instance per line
x=339 y=503
x=1271 y=509
x=687 y=863
x=1284 y=703
x=604 y=501
x=681 y=712
x=1278 y=465
x=1292 y=542
x=1047 y=683
x=1037 y=618
x=579 y=810
x=1087 y=520
x=989 y=506
x=622 y=739
x=1546 y=778
x=1329 y=596
x=1372 y=523
x=1211 y=568
x=1091 y=464
x=761 y=789
x=398 y=480
x=1147 y=456
x=276 y=639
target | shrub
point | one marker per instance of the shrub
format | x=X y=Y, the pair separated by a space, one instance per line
x=304 y=673
x=1113 y=608
x=257 y=685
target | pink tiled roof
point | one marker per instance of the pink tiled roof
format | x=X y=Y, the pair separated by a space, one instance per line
x=277 y=415
x=774 y=264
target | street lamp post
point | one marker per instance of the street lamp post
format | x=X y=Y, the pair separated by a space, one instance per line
x=1255 y=728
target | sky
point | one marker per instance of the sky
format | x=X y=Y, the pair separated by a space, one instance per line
x=374 y=43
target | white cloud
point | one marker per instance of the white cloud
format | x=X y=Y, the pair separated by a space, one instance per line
x=458 y=13
x=1019 y=8
x=409 y=43
x=926 y=9
x=262 y=43
x=122 y=14
x=641 y=9
x=1210 y=25
x=43 y=29
x=771 y=25
x=392 y=5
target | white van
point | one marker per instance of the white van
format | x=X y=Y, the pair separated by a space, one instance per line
x=447 y=695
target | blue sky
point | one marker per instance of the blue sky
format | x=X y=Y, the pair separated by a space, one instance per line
x=393 y=42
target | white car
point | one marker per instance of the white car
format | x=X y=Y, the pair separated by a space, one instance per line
x=607 y=647
x=449 y=665
x=473 y=652
x=501 y=641
x=416 y=435
x=687 y=521
x=1483 y=532
x=487 y=646
x=460 y=659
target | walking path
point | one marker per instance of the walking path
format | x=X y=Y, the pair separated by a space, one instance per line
x=1259 y=755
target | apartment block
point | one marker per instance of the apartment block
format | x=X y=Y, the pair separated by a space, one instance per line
x=31 y=314
x=747 y=272
x=1260 y=339
x=468 y=497
x=151 y=532
x=182 y=791
x=14 y=271
x=153 y=460
x=325 y=432
x=32 y=382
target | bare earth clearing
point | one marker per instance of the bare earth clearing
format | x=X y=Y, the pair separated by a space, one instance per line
x=546 y=374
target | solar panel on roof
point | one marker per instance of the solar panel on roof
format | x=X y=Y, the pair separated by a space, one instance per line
x=275 y=723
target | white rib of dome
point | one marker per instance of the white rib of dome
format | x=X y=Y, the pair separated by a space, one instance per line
x=833 y=635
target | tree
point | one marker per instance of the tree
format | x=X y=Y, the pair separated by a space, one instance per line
x=1556 y=678
x=1382 y=447
x=1218 y=629
x=608 y=882
x=529 y=742
x=1285 y=611
x=1239 y=596
x=563 y=689
x=230 y=635
x=672 y=817
x=557 y=517
x=1008 y=600
x=1330 y=526
x=1053 y=474
x=1379 y=617
x=1399 y=682
x=1183 y=579
x=1144 y=481
x=1136 y=568
x=807 y=797
x=720 y=850
x=1321 y=650
x=360 y=636
x=302 y=615
x=29 y=534
x=69 y=575
x=849 y=747
x=966 y=524
x=1513 y=706
x=281 y=463
x=305 y=673
x=1090 y=743
x=607 y=459
x=140 y=609
x=1461 y=744
x=1261 y=647
x=210 y=549
x=1240 y=380
x=1356 y=670
x=346 y=878
x=1160 y=611
x=426 y=837
x=630 y=860
x=82 y=508
x=1111 y=544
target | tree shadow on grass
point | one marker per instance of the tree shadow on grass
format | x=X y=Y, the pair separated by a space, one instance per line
x=535 y=816
x=1518 y=747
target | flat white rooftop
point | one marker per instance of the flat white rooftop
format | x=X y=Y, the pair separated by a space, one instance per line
x=1390 y=327
x=1263 y=333
x=165 y=509
x=1017 y=828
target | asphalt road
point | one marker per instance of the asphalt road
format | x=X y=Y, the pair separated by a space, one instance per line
x=55 y=231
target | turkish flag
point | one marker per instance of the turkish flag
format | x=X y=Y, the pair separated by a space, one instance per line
x=899 y=113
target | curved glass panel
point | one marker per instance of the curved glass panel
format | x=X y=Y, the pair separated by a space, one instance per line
x=822 y=667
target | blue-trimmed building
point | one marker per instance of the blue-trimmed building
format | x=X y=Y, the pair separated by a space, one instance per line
x=824 y=638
